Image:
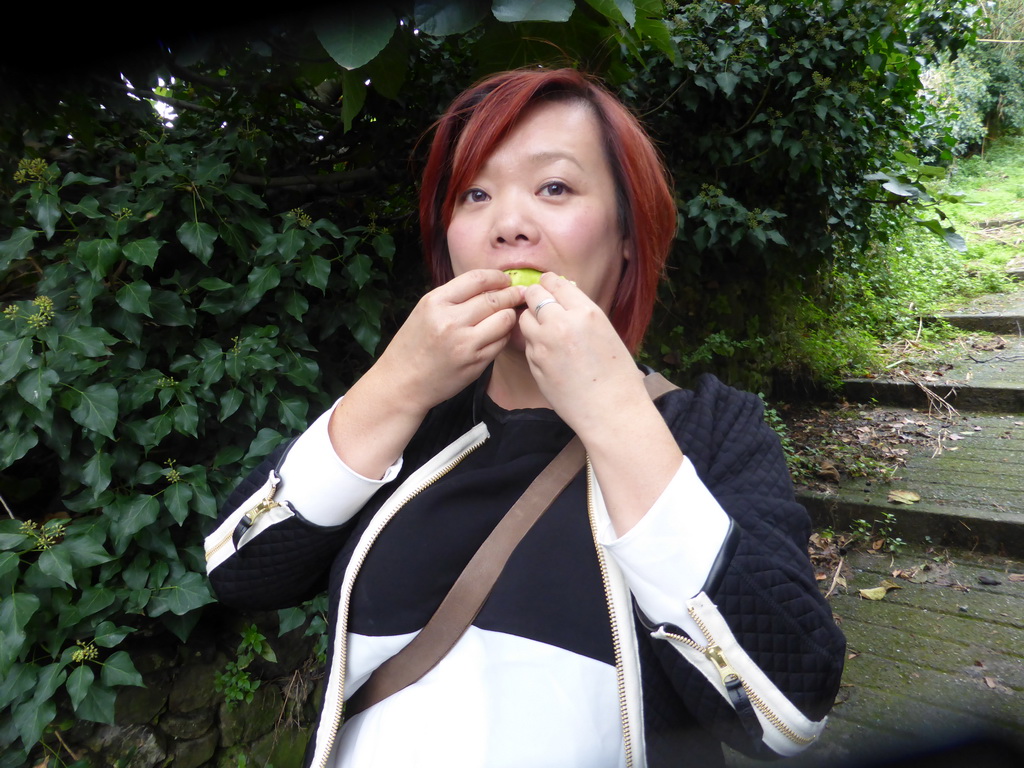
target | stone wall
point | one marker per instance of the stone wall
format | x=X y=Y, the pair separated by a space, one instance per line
x=179 y=719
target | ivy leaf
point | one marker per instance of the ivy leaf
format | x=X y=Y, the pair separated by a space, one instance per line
x=14 y=358
x=177 y=498
x=46 y=211
x=118 y=669
x=97 y=704
x=96 y=471
x=316 y=270
x=97 y=409
x=36 y=387
x=727 y=81
x=449 y=17
x=355 y=35
x=198 y=238
x=261 y=280
x=143 y=251
x=15 y=612
x=130 y=517
x=94 y=599
x=88 y=341
x=56 y=562
x=230 y=402
x=187 y=593
x=16 y=247
x=98 y=256
x=109 y=635
x=511 y=11
x=31 y=718
x=134 y=297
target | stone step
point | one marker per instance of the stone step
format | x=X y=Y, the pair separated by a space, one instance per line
x=1001 y=324
x=984 y=381
x=970 y=482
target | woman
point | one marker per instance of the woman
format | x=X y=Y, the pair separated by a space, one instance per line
x=664 y=601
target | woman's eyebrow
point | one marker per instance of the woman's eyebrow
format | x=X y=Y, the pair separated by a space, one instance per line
x=546 y=157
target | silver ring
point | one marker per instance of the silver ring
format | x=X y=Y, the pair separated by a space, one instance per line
x=541 y=305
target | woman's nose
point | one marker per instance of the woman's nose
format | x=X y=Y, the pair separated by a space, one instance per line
x=513 y=225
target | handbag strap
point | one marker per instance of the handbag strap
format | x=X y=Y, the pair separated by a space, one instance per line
x=466 y=597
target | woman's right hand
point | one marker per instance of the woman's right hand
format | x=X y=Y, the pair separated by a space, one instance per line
x=454 y=332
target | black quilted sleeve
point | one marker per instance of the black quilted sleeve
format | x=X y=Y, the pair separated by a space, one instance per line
x=766 y=589
x=281 y=567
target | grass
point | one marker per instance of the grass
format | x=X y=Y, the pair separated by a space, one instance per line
x=994 y=185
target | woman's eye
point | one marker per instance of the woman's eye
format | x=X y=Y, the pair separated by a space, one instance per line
x=553 y=189
x=475 y=196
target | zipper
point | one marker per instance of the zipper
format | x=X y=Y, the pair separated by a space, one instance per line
x=731 y=679
x=620 y=673
x=354 y=568
x=250 y=517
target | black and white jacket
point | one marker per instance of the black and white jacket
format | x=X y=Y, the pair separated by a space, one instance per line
x=704 y=623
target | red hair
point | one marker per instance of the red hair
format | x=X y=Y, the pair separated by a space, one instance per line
x=483 y=116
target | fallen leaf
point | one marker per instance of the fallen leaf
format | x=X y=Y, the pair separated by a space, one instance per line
x=991 y=682
x=853 y=655
x=1016 y=577
x=903 y=497
x=877 y=593
x=988 y=581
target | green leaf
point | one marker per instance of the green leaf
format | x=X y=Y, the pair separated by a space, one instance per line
x=56 y=562
x=16 y=247
x=32 y=717
x=21 y=679
x=168 y=309
x=727 y=81
x=98 y=256
x=98 y=705
x=110 y=635
x=96 y=471
x=266 y=440
x=130 y=517
x=14 y=445
x=214 y=284
x=230 y=402
x=78 y=684
x=15 y=356
x=46 y=210
x=177 y=497
x=355 y=35
x=316 y=270
x=198 y=238
x=134 y=297
x=289 y=619
x=143 y=252
x=73 y=177
x=97 y=409
x=616 y=10
x=15 y=612
x=360 y=267
x=189 y=592
x=93 y=600
x=449 y=17
x=261 y=280
x=36 y=387
x=354 y=90
x=292 y=413
x=118 y=669
x=88 y=341
x=511 y=11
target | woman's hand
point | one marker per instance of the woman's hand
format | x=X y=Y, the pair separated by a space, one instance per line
x=454 y=332
x=448 y=340
x=588 y=376
x=575 y=354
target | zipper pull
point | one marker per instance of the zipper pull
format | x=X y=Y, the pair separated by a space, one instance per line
x=717 y=657
x=737 y=693
x=250 y=517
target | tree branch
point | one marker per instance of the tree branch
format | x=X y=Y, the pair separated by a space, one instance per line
x=176 y=103
x=362 y=176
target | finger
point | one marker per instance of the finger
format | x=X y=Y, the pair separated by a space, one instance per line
x=462 y=288
x=564 y=290
x=492 y=302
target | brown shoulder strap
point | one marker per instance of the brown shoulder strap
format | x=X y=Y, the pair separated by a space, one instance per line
x=463 y=602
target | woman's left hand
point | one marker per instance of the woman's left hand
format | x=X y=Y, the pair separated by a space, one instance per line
x=575 y=354
x=588 y=376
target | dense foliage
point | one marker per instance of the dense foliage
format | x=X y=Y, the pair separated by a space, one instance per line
x=180 y=295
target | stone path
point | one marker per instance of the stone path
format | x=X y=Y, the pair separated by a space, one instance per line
x=935 y=670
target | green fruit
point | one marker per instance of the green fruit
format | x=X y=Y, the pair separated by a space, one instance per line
x=524 y=277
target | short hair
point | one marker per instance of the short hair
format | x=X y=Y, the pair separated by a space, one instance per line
x=483 y=116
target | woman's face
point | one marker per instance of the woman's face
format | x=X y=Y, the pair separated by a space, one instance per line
x=545 y=199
